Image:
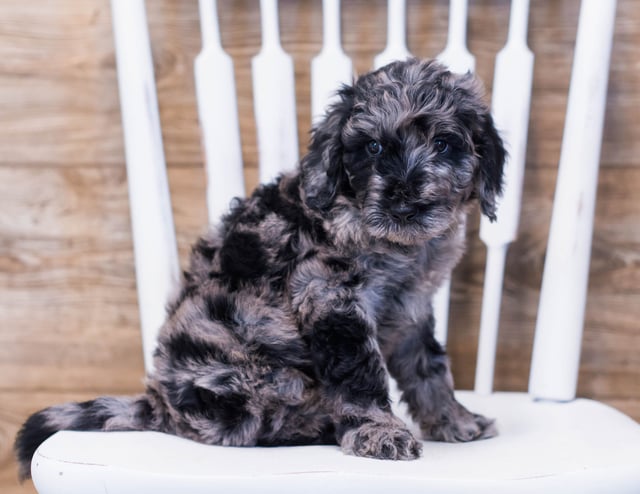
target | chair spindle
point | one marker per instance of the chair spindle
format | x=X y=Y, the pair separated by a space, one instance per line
x=396 y=48
x=218 y=115
x=274 y=99
x=458 y=58
x=331 y=67
x=556 y=350
x=154 y=240
x=510 y=102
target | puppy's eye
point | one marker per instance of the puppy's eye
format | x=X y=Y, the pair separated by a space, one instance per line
x=442 y=146
x=374 y=148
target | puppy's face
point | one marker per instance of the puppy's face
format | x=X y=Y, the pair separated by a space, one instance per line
x=412 y=146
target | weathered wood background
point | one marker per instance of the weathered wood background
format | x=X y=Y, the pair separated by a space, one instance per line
x=68 y=313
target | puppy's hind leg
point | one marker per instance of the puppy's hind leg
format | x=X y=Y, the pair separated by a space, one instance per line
x=421 y=367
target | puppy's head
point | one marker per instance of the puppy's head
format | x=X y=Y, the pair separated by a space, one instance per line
x=412 y=146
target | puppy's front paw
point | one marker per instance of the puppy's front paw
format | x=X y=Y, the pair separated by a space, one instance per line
x=461 y=426
x=385 y=441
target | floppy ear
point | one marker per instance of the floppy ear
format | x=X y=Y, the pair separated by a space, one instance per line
x=487 y=143
x=491 y=153
x=322 y=166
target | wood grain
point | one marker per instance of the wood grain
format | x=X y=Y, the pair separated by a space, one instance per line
x=68 y=311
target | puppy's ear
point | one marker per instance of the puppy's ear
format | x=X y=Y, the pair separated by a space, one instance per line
x=487 y=142
x=492 y=155
x=322 y=166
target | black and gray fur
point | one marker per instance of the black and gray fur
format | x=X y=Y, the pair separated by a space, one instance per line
x=298 y=306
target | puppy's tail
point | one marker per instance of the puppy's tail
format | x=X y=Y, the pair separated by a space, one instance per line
x=101 y=414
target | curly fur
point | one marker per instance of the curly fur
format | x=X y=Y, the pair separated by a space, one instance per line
x=296 y=308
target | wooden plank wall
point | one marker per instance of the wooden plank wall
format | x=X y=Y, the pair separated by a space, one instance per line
x=68 y=313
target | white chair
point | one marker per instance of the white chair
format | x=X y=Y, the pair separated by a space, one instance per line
x=549 y=441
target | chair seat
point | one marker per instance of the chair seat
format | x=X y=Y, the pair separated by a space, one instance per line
x=582 y=446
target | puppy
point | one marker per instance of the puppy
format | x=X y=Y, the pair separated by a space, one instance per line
x=298 y=306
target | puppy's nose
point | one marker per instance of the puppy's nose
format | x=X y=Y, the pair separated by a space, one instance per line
x=403 y=212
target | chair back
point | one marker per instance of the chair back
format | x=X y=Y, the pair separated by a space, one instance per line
x=563 y=297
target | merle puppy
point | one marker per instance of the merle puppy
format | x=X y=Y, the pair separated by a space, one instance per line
x=298 y=306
